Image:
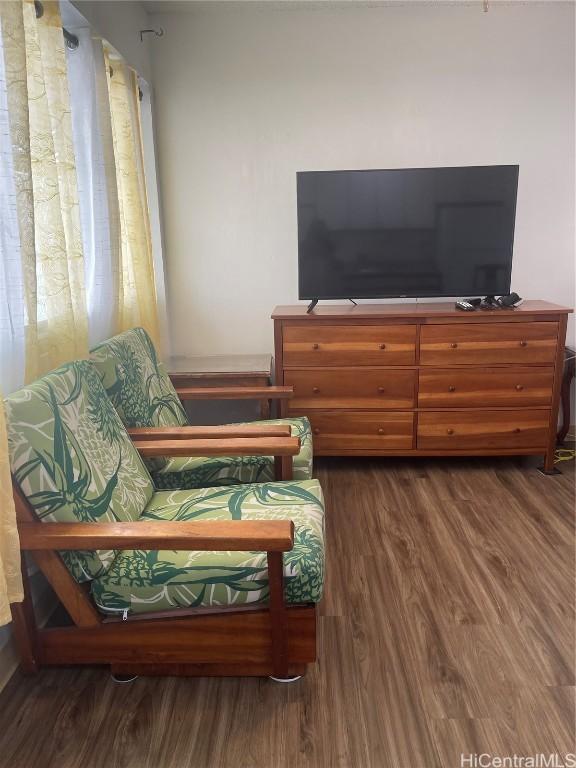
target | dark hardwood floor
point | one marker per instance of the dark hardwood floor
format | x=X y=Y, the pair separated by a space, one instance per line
x=447 y=628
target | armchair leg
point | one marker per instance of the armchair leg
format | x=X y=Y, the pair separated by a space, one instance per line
x=25 y=628
x=122 y=678
x=278 y=615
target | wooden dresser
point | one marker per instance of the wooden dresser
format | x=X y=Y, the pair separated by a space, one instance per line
x=424 y=379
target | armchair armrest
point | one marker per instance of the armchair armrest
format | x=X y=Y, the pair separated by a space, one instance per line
x=186 y=433
x=234 y=393
x=241 y=446
x=199 y=535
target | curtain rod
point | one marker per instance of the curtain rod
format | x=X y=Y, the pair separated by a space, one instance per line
x=72 y=41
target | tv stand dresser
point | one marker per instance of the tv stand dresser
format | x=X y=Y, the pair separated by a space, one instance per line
x=424 y=379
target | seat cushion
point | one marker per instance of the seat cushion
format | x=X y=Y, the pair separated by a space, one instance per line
x=137 y=383
x=215 y=471
x=141 y=581
x=72 y=457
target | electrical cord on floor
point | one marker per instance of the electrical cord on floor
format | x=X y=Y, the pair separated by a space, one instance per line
x=565 y=454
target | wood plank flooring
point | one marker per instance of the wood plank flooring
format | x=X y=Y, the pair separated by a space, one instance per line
x=447 y=628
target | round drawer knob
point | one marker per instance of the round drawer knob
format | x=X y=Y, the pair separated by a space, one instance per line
x=453 y=345
x=517 y=429
x=316 y=431
x=380 y=431
x=451 y=388
x=381 y=390
x=523 y=343
x=315 y=346
x=382 y=346
x=519 y=387
x=315 y=390
x=449 y=431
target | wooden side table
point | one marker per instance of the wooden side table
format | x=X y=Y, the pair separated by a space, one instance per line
x=222 y=371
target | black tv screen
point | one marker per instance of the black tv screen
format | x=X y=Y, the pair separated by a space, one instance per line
x=412 y=232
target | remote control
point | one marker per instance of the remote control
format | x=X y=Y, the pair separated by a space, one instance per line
x=465 y=306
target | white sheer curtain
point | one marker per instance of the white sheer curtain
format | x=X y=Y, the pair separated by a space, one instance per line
x=97 y=189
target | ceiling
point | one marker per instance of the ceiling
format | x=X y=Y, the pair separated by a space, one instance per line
x=183 y=6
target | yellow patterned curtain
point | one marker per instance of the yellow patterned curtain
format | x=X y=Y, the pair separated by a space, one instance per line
x=47 y=212
x=10 y=577
x=61 y=316
x=137 y=290
x=44 y=204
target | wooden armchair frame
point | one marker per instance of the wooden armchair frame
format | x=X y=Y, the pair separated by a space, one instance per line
x=234 y=393
x=167 y=441
x=267 y=640
x=164 y=437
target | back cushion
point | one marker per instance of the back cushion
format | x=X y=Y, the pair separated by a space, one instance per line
x=137 y=383
x=72 y=457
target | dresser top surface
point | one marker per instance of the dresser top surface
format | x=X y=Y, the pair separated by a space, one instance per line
x=430 y=309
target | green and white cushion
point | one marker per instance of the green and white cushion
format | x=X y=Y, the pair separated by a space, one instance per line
x=140 y=581
x=137 y=384
x=185 y=472
x=144 y=396
x=72 y=457
x=73 y=460
x=136 y=381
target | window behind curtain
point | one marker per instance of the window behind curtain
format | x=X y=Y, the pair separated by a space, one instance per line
x=94 y=152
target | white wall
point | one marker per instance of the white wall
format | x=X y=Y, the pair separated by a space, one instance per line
x=246 y=96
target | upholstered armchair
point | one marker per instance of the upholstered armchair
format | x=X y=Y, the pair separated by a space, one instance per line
x=218 y=580
x=145 y=399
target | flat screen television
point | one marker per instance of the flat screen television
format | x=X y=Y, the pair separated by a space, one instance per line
x=412 y=232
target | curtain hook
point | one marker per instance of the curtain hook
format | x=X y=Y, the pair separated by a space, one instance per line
x=157 y=32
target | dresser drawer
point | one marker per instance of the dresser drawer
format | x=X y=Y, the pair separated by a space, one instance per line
x=323 y=345
x=345 y=430
x=368 y=388
x=488 y=343
x=485 y=387
x=475 y=430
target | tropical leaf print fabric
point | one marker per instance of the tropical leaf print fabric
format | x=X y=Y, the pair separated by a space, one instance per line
x=194 y=472
x=141 y=581
x=137 y=384
x=144 y=396
x=73 y=459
